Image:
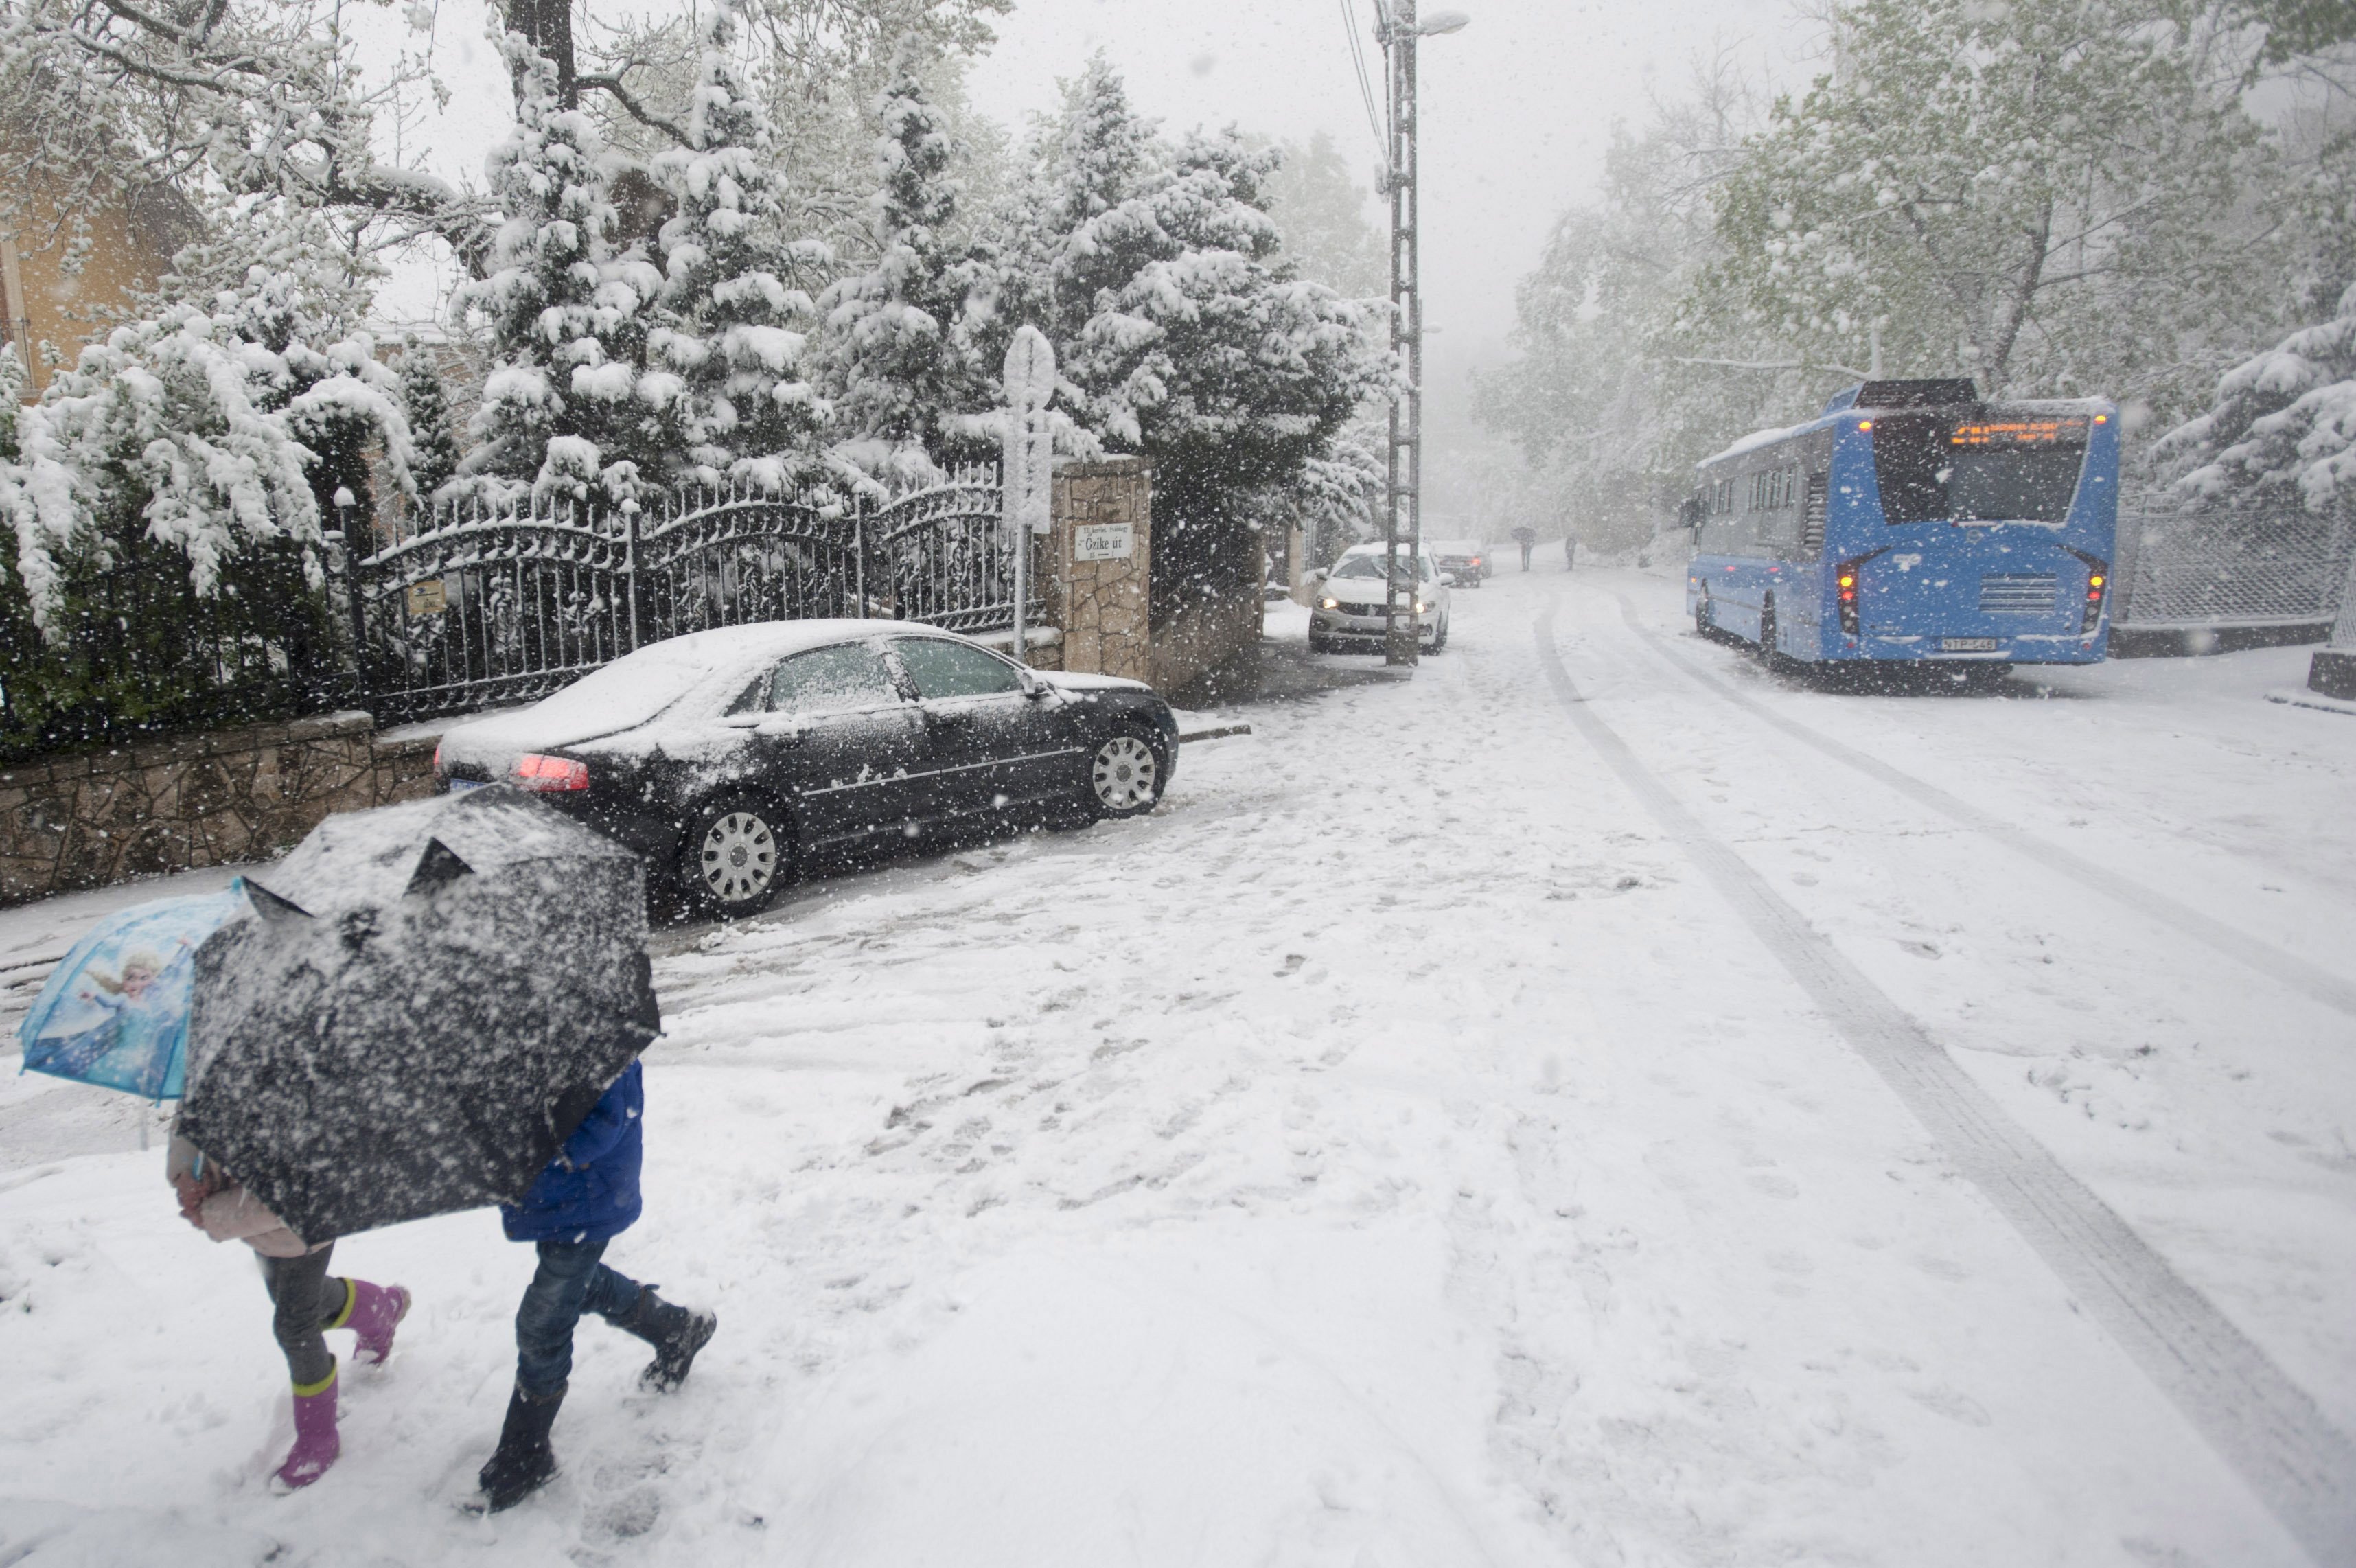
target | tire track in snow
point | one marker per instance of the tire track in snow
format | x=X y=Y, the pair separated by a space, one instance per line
x=2264 y=1426
x=2266 y=959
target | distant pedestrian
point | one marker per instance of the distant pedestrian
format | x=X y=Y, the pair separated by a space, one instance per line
x=310 y=1302
x=1571 y=551
x=587 y=1196
x=1526 y=538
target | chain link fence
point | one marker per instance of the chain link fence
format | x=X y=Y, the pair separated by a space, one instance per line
x=2186 y=569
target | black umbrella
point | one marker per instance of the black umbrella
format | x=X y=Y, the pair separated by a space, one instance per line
x=423 y=1007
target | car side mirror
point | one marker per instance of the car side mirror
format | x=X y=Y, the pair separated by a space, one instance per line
x=1033 y=687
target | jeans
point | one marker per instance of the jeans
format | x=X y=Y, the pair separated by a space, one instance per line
x=308 y=1300
x=570 y=1280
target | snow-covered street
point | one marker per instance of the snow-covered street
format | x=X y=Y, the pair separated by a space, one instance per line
x=1400 y=1148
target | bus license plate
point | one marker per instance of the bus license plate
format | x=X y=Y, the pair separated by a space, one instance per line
x=1967 y=644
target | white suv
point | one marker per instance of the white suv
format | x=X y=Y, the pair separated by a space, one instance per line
x=1346 y=606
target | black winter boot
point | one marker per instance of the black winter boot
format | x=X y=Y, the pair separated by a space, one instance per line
x=524 y=1462
x=677 y=1333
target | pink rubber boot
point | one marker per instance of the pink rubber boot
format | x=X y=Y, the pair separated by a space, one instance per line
x=315 y=1443
x=373 y=1312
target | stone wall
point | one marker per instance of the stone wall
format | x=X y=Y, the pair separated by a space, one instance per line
x=1205 y=635
x=206 y=799
x=1101 y=604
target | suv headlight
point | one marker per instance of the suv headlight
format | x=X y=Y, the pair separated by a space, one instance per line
x=1421 y=608
x=1329 y=603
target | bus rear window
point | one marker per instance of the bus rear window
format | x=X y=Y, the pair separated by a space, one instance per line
x=1940 y=468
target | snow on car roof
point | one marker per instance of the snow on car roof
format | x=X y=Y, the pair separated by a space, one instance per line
x=636 y=688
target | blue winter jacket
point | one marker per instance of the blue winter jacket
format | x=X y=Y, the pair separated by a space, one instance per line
x=589 y=1191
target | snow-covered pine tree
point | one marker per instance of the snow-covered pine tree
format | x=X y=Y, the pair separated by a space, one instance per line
x=2281 y=436
x=731 y=348
x=425 y=399
x=566 y=408
x=1179 y=335
x=899 y=359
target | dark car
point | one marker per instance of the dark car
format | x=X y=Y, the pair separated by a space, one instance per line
x=1466 y=560
x=726 y=756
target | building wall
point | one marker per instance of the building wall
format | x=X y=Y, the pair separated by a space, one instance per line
x=131 y=241
x=205 y=799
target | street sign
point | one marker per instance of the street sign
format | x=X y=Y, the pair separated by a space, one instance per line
x=1103 y=542
x=429 y=597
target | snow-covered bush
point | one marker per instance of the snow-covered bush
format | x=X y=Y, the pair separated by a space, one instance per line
x=166 y=496
x=730 y=348
x=2282 y=433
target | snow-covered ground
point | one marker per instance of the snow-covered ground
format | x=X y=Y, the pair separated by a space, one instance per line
x=1396 y=1150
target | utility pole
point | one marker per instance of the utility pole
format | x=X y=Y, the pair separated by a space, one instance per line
x=1398 y=28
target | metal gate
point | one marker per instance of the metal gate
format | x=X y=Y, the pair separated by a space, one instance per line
x=498 y=605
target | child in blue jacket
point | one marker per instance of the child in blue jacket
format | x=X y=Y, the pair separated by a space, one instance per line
x=587 y=1196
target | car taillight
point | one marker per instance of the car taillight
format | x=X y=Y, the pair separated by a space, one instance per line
x=437 y=759
x=545 y=774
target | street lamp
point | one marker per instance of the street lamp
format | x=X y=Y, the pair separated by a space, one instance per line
x=1397 y=27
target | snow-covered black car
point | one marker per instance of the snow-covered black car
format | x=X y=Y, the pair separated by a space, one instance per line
x=723 y=756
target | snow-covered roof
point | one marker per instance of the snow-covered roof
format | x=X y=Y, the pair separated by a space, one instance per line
x=1758 y=439
x=1753 y=442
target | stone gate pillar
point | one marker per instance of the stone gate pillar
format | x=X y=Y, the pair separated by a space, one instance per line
x=1102 y=550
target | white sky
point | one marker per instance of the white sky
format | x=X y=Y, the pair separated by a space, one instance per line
x=1517 y=107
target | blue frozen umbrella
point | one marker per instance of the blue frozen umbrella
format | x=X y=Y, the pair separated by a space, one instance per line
x=115 y=1010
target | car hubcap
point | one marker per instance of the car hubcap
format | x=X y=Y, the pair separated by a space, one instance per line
x=740 y=857
x=1124 y=773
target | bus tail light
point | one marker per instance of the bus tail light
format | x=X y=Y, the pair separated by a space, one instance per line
x=2098 y=589
x=546 y=774
x=1844 y=594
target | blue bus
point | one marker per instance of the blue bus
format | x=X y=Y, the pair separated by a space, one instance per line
x=1912 y=523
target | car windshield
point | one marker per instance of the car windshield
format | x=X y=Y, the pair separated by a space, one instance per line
x=1371 y=566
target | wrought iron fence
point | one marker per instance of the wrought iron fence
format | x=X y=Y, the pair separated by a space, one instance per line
x=499 y=604
x=2187 y=569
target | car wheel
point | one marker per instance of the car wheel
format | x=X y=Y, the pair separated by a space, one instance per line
x=1125 y=775
x=1439 y=639
x=736 y=857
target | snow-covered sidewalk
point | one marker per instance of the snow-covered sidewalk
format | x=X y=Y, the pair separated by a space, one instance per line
x=1391 y=1152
